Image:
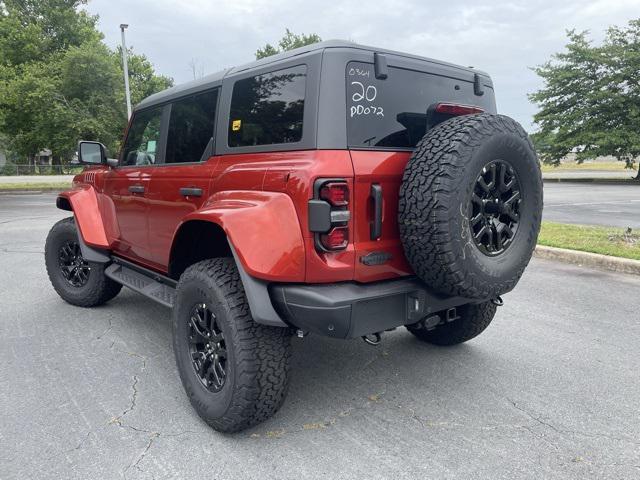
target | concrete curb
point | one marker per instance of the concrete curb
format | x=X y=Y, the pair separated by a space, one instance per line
x=587 y=259
x=599 y=181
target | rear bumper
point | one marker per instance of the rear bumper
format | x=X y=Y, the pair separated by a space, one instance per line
x=349 y=310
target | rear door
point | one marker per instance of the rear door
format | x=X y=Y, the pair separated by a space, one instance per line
x=386 y=117
x=126 y=187
x=180 y=185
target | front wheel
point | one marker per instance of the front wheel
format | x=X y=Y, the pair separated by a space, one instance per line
x=234 y=371
x=472 y=320
x=76 y=280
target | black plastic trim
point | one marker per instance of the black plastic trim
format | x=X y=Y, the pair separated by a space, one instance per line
x=349 y=309
x=257 y=293
x=143 y=281
x=376 y=225
x=380 y=66
x=319 y=216
x=92 y=254
x=477 y=85
x=158 y=277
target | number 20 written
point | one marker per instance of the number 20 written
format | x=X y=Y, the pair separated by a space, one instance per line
x=367 y=93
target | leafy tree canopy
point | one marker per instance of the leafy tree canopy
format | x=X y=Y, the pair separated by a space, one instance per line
x=590 y=102
x=288 y=42
x=59 y=82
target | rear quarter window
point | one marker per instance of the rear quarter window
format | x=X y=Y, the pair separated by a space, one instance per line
x=392 y=112
x=191 y=128
x=268 y=109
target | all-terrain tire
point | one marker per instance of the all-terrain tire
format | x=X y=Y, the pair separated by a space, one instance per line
x=93 y=290
x=435 y=205
x=474 y=319
x=257 y=359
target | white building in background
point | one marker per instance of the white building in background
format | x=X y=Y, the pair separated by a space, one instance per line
x=43 y=157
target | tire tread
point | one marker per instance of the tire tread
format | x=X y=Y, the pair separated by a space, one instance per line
x=262 y=353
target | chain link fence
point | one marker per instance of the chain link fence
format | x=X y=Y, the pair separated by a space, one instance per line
x=10 y=170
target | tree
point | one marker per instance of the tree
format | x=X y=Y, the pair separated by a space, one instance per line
x=590 y=102
x=59 y=82
x=286 y=43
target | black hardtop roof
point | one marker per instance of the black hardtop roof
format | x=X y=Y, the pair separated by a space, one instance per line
x=215 y=79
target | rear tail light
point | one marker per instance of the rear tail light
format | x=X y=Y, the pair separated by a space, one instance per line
x=336 y=239
x=329 y=214
x=457 y=109
x=336 y=193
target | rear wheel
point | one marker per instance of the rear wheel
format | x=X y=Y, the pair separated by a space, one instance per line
x=473 y=319
x=75 y=279
x=234 y=371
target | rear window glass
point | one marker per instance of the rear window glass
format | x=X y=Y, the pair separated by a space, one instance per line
x=268 y=109
x=392 y=113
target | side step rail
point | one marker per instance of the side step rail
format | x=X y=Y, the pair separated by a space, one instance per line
x=150 y=284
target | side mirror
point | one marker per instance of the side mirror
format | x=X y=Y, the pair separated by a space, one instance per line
x=91 y=153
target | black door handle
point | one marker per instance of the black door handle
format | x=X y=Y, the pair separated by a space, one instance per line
x=191 y=192
x=136 y=189
x=376 y=226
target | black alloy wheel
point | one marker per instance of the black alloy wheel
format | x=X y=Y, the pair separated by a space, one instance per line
x=207 y=348
x=495 y=208
x=75 y=269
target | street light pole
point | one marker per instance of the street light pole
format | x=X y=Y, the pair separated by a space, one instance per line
x=125 y=67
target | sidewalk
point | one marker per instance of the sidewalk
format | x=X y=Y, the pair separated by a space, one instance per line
x=39 y=179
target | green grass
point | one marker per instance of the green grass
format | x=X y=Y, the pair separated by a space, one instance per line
x=587 y=165
x=35 y=186
x=604 y=240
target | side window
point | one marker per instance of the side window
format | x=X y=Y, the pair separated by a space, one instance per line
x=191 y=128
x=268 y=109
x=143 y=138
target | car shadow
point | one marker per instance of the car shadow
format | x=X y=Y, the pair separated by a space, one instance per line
x=332 y=380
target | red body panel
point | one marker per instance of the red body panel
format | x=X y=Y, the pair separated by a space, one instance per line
x=261 y=202
x=84 y=201
x=384 y=169
x=263 y=229
x=168 y=207
x=127 y=211
x=293 y=173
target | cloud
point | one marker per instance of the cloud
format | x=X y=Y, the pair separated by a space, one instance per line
x=504 y=38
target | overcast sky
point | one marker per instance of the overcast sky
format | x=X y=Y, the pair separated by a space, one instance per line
x=504 y=38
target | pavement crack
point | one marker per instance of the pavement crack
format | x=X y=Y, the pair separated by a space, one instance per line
x=118 y=420
x=106 y=331
x=533 y=417
x=136 y=464
x=540 y=437
x=80 y=443
x=565 y=432
x=134 y=387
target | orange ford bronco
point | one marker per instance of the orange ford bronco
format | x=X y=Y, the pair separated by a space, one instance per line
x=336 y=189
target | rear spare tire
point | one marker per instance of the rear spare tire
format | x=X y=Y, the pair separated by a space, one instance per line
x=470 y=206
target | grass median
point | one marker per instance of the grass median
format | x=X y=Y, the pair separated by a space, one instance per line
x=9 y=187
x=616 y=242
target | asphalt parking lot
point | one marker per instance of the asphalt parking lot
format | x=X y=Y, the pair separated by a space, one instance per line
x=592 y=204
x=550 y=390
